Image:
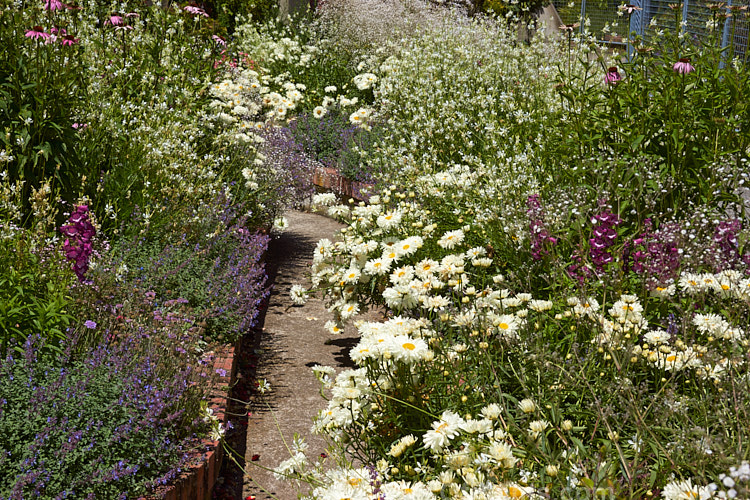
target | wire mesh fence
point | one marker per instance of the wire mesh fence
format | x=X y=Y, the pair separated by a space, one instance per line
x=723 y=23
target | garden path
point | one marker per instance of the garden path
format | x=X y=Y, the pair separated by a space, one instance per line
x=293 y=339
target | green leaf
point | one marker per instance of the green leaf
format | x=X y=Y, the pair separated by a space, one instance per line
x=635 y=143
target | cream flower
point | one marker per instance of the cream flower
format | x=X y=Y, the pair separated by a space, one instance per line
x=451 y=239
x=443 y=431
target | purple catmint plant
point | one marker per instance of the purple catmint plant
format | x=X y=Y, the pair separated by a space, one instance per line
x=673 y=328
x=541 y=239
x=237 y=281
x=375 y=483
x=79 y=232
x=114 y=423
x=604 y=236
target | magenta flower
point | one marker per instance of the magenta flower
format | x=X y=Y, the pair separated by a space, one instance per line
x=36 y=33
x=53 y=5
x=69 y=40
x=79 y=233
x=683 y=66
x=541 y=240
x=604 y=237
x=613 y=76
x=196 y=11
x=115 y=20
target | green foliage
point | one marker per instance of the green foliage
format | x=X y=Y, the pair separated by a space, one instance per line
x=228 y=11
x=34 y=292
x=42 y=87
x=682 y=125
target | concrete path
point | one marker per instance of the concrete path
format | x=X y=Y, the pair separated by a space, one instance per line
x=292 y=341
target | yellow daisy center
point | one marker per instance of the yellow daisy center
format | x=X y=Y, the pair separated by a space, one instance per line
x=514 y=492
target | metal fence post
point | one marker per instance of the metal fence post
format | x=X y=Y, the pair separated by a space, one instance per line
x=725 y=34
x=683 y=22
x=636 y=24
x=583 y=15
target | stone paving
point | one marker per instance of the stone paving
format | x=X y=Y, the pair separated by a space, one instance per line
x=293 y=340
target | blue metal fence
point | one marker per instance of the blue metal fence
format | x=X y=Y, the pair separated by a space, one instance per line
x=652 y=15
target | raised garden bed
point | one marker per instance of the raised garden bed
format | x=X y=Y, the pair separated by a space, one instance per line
x=330 y=178
x=199 y=481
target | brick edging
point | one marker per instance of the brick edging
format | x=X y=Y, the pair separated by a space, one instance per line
x=198 y=482
x=330 y=178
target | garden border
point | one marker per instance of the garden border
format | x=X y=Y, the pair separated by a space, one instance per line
x=198 y=482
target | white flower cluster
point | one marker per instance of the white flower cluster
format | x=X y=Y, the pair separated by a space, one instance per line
x=365 y=81
x=712 y=337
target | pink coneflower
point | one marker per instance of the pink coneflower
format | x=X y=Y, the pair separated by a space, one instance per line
x=132 y=14
x=36 y=33
x=196 y=11
x=683 y=66
x=613 y=76
x=219 y=40
x=53 y=5
x=115 y=20
x=69 y=40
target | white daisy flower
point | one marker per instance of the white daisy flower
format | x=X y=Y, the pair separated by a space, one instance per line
x=451 y=239
x=389 y=220
x=664 y=292
x=333 y=327
x=298 y=295
x=377 y=267
x=409 y=245
x=319 y=111
x=443 y=431
x=685 y=490
x=426 y=268
x=656 y=337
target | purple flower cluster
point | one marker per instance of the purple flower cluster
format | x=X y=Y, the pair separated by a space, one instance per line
x=79 y=232
x=655 y=254
x=578 y=270
x=541 y=240
x=725 y=245
x=98 y=427
x=237 y=281
x=604 y=237
x=375 y=483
